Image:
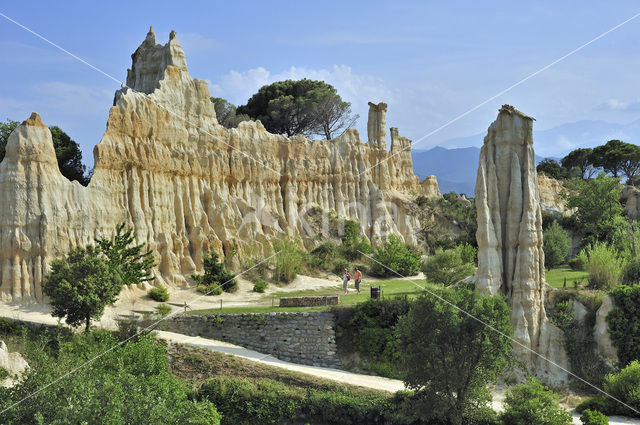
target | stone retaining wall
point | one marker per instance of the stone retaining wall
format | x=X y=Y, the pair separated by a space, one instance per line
x=305 y=338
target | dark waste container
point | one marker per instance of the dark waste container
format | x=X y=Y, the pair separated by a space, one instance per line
x=375 y=292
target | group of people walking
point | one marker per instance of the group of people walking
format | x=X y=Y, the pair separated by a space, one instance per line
x=346 y=277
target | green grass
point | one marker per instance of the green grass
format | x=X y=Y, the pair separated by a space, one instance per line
x=555 y=277
x=390 y=288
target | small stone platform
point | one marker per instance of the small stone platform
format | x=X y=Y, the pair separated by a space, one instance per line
x=310 y=301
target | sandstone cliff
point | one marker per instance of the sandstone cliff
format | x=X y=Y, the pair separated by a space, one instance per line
x=510 y=256
x=187 y=184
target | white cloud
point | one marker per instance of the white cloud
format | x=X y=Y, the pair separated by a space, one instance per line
x=618 y=105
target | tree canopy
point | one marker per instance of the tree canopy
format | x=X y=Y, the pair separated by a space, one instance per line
x=617 y=157
x=68 y=152
x=552 y=168
x=226 y=113
x=304 y=106
x=581 y=159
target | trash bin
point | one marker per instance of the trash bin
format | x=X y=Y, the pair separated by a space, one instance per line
x=375 y=292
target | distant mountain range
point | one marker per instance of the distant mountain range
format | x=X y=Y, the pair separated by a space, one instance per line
x=456 y=168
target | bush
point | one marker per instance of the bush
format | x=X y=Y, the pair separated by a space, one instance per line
x=397 y=256
x=533 y=403
x=323 y=256
x=632 y=272
x=215 y=277
x=605 y=266
x=625 y=386
x=450 y=266
x=4 y=374
x=339 y=264
x=159 y=294
x=260 y=286
x=624 y=322
x=593 y=417
x=163 y=309
x=555 y=245
x=287 y=260
x=600 y=404
x=353 y=242
x=579 y=262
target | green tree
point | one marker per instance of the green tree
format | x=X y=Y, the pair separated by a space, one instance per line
x=552 y=168
x=353 y=242
x=598 y=209
x=128 y=384
x=299 y=107
x=555 y=245
x=69 y=156
x=533 y=403
x=81 y=286
x=617 y=157
x=226 y=113
x=624 y=322
x=580 y=159
x=447 y=356
x=450 y=266
x=395 y=256
x=6 y=128
x=605 y=266
x=131 y=262
x=216 y=278
x=593 y=417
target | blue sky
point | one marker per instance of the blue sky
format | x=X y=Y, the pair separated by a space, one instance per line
x=430 y=61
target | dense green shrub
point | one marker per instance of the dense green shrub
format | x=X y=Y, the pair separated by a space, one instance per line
x=323 y=256
x=623 y=386
x=555 y=245
x=624 y=322
x=579 y=262
x=260 y=286
x=159 y=294
x=395 y=257
x=632 y=272
x=4 y=373
x=163 y=309
x=593 y=417
x=605 y=266
x=339 y=264
x=450 y=266
x=287 y=259
x=533 y=403
x=354 y=244
x=216 y=278
x=130 y=384
x=368 y=328
x=450 y=357
x=242 y=401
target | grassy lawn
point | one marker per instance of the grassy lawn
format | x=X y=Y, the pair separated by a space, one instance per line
x=389 y=288
x=555 y=277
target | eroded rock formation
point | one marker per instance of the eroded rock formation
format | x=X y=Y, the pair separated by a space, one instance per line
x=510 y=256
x=13 y=363
x=187 y=184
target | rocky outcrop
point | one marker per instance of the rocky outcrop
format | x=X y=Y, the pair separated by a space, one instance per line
x=551 y=196
x=631 y=198
x=430 y=187
x=13 y=363
x=510 y=256
x=601 y=331
x=187 y=185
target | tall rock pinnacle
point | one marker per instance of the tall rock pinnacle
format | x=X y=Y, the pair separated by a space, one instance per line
x=510 y=256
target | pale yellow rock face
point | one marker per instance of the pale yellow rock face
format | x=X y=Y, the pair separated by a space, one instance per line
x=551 y=198
x=430 y=187
x=510 y=256
x=631 y=198
x=601 y=331
x=187 y=185
x=14 y=363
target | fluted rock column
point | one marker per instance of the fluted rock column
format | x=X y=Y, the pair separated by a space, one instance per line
x=510 y=256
